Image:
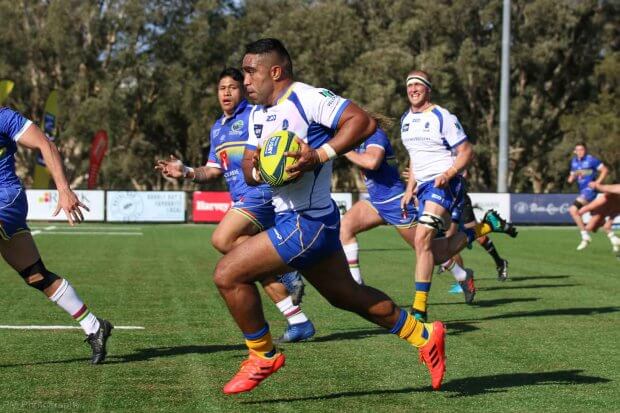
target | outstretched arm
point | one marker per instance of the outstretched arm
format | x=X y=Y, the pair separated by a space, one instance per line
x=370 y=159
x=174 y=168
x=34 y=138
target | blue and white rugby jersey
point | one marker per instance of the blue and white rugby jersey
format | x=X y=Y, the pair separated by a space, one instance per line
x=383 y=183
x=313 y=115
x=430 y=137
x=12 y=127
x=228 y=139
x=585 y=169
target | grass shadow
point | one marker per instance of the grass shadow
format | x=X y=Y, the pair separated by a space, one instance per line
x=471 y=386
x=492 y=303
x=507 y=286
x=516 y=278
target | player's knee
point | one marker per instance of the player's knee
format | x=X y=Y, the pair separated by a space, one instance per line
x=37 y=276
x=224 y=275
x=346 y=230
x=221 y=243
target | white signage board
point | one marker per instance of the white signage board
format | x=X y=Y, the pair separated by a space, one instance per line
x=42 y=203
x=154 y=206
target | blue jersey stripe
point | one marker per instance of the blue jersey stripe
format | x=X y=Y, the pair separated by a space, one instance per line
x=293 y=98
x=440 y=117
x=339 y=114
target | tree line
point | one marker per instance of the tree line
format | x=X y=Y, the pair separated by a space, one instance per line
x=146 y=70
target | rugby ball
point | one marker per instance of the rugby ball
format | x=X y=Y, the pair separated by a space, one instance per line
x=272 y=160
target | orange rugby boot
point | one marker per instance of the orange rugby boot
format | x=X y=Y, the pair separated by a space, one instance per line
x=433 y=354
x=252 y=372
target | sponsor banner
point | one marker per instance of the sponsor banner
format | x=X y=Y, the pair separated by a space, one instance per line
x=155 y=206
x=541 y=208
x=42 y=203
x=344 y=201
x=210 y=206
x=482 y=202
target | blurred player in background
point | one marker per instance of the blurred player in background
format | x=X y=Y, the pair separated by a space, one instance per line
x=252 y=209
x=603 y=211
x=16 y=243
x=585 y=168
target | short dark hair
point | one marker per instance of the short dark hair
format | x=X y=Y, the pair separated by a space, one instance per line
x=582 y=144
x=231 y=72
x=271 y=45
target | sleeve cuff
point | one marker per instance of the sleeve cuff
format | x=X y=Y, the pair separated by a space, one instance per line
x=22 y=130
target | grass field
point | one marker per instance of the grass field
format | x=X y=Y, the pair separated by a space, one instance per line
x=546 y=340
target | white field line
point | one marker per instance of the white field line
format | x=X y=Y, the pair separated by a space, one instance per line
x=53 y=327
x=90 y=233
x=85 y=227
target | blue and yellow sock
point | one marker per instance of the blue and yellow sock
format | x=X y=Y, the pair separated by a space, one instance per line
x=260 y=343
x=421 y=296
x=479 y=230
x=412 y=330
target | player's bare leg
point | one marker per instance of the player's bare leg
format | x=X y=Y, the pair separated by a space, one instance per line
x=361 y=217
x=330 y=277
x=235 y=276
x=428 y=226
x=21 y=253
x=574 y=213
x=233 y=230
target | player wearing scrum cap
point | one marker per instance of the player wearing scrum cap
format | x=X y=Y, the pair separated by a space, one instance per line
x=439 y=151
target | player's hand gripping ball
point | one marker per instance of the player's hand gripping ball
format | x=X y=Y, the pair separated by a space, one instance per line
x=272 y=161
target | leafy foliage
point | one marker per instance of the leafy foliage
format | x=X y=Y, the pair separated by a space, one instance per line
x=145 y=70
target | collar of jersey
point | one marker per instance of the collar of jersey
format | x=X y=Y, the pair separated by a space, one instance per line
x=428 y=109
x=240 y=108
x=285 y=95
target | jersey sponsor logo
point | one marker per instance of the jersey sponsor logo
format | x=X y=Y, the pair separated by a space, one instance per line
x=285 y=124
x=237 y=126
x=427 y=125
x=272 y=147
x=258 y=130
x=458 y=125
x=271 y=118
x=405 y=127
x=435 y=196
x=328 y=94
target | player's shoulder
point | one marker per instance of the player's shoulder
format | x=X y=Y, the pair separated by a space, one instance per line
x=405 y=115
x=306 y=92
x=442 y=112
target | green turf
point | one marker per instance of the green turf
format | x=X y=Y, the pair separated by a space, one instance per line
x=546 y=340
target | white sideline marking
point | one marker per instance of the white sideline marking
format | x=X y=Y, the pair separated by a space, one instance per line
x=9 y=327
x=89 y=233
x=50 y=228
x=33 y=233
